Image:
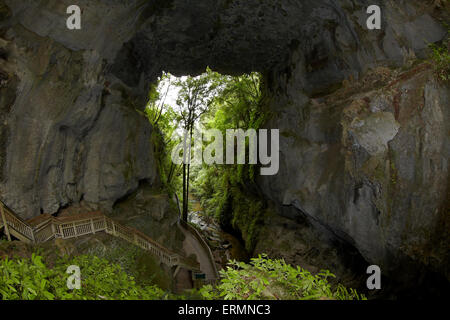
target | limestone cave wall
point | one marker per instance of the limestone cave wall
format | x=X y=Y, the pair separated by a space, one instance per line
x=373 y=168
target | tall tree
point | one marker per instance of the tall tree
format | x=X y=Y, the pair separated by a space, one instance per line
x=195 y=96
x=157 y=106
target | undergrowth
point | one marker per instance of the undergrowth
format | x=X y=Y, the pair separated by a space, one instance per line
x=32 y=279
x=265 y=278
x=440 y=58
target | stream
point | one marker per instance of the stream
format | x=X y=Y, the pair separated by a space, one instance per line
x=224 y=246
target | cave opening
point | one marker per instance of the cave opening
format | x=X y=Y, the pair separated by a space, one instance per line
x=227 y=198
x=188 y=107
x=75 y=123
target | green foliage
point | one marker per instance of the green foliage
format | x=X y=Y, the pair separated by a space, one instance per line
x=164 y=121
x=194 y=98
x=440 y=57
x=144 y=267
x=196 y=95
x=162 y=143
x=265 y=278
x=156 y=101
x=31 y=279
x=229 y=192
x=238 y=104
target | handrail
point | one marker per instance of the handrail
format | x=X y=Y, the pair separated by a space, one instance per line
x=199 y=238
x=16 y=223
x=79 y=225
x=204 y=245
x=7 y=209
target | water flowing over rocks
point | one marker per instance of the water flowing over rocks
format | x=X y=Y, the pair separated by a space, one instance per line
x=224 y=246
x=371 y=168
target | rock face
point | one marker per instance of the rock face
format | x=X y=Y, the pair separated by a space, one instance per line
x=153 y=214
x=70 y=130
x=371 y=168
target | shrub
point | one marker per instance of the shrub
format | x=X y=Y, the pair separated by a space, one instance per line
x=31 y=279
x=440 y=58
x=265 y=278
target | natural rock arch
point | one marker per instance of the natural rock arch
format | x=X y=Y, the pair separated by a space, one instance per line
x=70 y=130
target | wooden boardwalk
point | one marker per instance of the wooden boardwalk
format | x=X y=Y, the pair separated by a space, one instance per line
x=47 y=227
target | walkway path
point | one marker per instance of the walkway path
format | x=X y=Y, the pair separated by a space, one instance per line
x=192 y=245
x=46 y=227
x=195 y=244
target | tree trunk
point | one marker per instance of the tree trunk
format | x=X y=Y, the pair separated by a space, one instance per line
x=189 y=169
x=184 y=194
x=169 y=177
x=187 y=188
x=185 y=159
x=186 y=203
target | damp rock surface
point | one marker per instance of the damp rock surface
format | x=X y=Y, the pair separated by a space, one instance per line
x=372 y=169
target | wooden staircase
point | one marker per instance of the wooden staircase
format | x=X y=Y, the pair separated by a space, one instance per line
x=46 y=227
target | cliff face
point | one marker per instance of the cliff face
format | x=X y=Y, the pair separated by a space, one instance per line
x=70 y=130
x=369 y=163
x=370 y=167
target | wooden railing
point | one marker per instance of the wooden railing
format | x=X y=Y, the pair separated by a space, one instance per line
x=14 y=224
x=201 y=240
x=78 y=225
x=205 y=246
